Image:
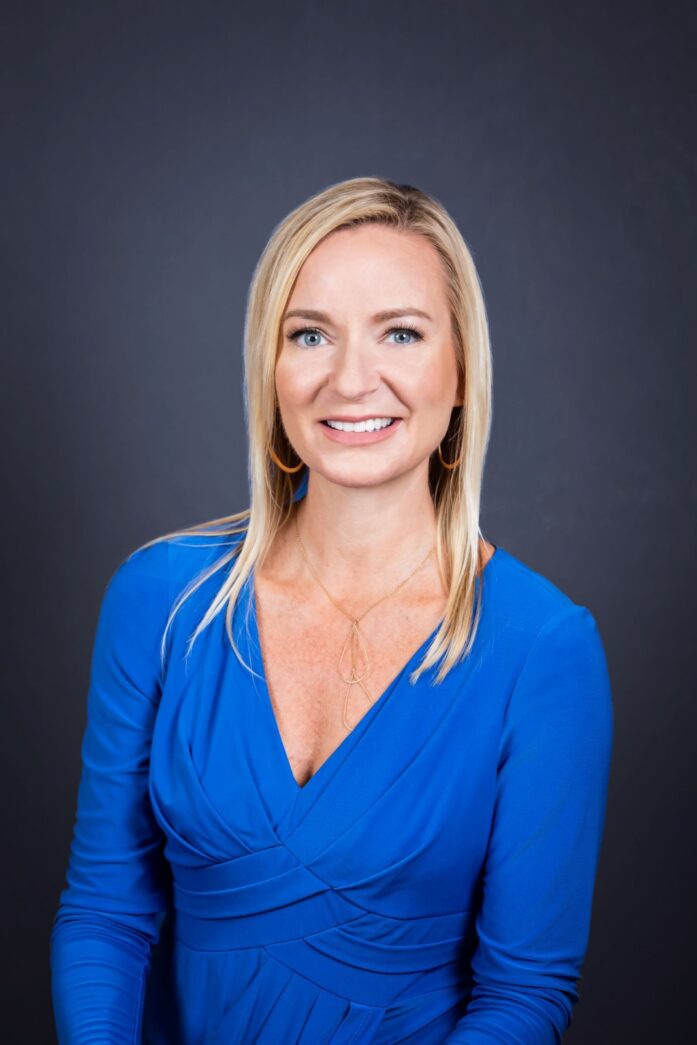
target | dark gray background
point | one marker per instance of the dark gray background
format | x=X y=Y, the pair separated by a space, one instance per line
x=151 y=149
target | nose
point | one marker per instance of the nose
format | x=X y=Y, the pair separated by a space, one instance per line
x=354 y=371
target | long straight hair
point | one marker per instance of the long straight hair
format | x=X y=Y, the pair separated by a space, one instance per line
x=456 y=492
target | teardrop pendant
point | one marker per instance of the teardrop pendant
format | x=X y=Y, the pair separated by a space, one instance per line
x=358 y=651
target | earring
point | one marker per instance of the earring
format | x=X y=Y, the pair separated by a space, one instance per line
x=281 y=465
x=445 y=463
x=440 y=455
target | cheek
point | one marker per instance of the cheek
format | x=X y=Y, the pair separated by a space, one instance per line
x=426 y=387
x=292 y=380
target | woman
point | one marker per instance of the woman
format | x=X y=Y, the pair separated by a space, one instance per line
x=369 y=794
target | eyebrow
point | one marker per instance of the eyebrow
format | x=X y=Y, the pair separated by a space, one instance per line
x=379 y=317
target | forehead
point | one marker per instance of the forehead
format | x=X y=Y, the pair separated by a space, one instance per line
x=372 y=266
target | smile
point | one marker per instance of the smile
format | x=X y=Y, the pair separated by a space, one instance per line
x=372 y=430
x=368 y=425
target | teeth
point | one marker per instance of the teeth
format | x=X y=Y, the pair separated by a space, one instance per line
x=371 y=425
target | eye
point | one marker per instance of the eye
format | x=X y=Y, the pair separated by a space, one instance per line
x=411 y=332
x=301 y=332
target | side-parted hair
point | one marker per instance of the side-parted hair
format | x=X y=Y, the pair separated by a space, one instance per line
x=456 y=492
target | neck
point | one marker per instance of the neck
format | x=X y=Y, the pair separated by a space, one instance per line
x=365 y=538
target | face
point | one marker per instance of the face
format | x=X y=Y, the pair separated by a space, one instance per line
x=342 y=357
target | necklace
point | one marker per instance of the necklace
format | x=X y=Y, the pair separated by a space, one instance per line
x=354 y=639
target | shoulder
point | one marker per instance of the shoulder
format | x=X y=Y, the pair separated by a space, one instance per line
x=140 y=577
x=528 y=605
x=545 y=634
x=143 y=587
x=193 y=556
x=135 y=601
x=173 y=560
x=560 y=663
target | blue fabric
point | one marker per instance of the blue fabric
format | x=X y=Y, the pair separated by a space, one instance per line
x=431 y=883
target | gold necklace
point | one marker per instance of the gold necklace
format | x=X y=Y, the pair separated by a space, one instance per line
x=354 y=637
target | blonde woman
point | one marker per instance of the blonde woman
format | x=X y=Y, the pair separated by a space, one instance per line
x=345 y=760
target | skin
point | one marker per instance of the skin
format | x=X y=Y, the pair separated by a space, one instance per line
x=367 y=519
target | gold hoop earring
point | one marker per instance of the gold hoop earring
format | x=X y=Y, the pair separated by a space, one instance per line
x=445 y=463
x=281 y=465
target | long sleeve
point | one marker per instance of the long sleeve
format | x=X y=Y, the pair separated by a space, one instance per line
x=117 y=876
x=553 y=772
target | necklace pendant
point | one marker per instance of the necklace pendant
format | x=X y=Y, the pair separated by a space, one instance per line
x=359 y=655
x=369 y=699
x=359 y=659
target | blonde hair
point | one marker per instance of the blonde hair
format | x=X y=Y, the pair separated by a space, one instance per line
x=456 y=492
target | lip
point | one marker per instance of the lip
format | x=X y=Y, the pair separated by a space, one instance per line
x=360 y=438
x=353 y=420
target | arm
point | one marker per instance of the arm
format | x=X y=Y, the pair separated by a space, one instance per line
x=553 y=772
x=117 y=878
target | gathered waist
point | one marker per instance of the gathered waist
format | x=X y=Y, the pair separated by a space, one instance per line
x=271 y=900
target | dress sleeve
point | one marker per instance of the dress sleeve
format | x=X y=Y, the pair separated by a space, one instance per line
x=538 y=881
x=117 y=876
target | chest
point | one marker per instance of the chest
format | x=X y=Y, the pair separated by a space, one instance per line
x=323 y=674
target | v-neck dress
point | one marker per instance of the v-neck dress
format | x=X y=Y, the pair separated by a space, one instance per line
x=432 y=882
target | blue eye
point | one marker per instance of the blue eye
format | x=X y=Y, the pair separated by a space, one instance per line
x=297 y=334
x=410 y=331
x=313 y=332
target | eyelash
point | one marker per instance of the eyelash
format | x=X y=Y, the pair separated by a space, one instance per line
x=313 y=330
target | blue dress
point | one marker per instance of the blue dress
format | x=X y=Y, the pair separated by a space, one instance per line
x=432 y=882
